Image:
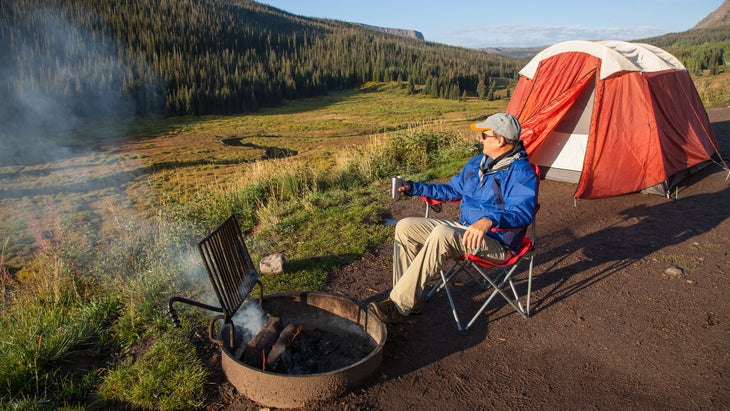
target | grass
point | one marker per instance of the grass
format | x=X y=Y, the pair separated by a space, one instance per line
x=714 y=90
x=168 y=375
x=96 y=242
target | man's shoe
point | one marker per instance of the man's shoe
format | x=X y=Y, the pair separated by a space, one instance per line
x=417 y=309
x=386 y=311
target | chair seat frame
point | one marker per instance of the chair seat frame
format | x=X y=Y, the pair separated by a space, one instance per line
x=497 y=282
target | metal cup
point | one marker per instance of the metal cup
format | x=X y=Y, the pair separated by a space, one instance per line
x=395 y=183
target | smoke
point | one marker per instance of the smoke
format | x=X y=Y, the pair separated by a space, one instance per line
x=248 y=320
x=65 y=88
x=193 y=271
x=57 y=78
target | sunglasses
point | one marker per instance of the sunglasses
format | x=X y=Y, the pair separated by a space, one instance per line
x=488 y=133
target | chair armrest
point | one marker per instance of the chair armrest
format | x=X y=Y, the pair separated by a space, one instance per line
x=432 y=201
x=435 y=205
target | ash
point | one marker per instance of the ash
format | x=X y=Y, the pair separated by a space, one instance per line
x=318 y=351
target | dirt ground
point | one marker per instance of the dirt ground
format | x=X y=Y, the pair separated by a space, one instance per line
x=631 y=310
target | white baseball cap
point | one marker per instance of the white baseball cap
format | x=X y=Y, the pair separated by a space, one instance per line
x=504 y=124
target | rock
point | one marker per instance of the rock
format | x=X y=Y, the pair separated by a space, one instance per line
x=674 y=272
x=272 y=264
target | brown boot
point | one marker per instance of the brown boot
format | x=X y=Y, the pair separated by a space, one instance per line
x=386 y=311
x=417 y=309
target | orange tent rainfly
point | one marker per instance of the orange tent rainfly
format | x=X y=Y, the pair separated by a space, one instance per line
x=613 y=117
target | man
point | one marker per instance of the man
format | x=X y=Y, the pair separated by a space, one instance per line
x=497 y=189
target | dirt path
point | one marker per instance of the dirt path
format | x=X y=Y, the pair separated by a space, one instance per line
x=630 y=311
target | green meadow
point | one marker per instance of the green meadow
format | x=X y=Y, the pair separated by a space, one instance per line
x=97 y=239
x=98 y=235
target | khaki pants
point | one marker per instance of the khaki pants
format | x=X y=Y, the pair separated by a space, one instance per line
x=420 y=249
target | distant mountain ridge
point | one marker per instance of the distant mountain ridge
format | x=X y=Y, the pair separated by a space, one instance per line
x=515 y=52
x=719 y=17
x=712 y=28
x=398 y=32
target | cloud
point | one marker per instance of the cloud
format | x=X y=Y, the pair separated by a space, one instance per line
x=515 y=35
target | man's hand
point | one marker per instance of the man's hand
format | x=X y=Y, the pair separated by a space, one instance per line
x=475 y=233
x=405 y=188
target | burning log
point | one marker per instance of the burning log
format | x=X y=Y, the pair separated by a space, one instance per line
x=256 y=350
x=280 y=355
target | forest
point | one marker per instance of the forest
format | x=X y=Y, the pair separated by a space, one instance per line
x=218 y=56
x=700 y=50
x=197 y=57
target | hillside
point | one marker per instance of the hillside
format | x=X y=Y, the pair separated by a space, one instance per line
x=719 y=17
x=216 y=57
x=93 y=58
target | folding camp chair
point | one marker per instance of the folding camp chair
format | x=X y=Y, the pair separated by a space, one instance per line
x=492 y=275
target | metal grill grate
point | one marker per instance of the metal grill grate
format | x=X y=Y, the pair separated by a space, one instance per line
x=229 y=266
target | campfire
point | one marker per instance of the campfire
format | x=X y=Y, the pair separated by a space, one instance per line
x=270 y=349
x=296 y=347
x=293 y=349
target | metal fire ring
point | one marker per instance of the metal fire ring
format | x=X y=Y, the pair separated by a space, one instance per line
x=309 y=309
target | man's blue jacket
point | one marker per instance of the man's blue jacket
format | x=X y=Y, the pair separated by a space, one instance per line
x=505 y=193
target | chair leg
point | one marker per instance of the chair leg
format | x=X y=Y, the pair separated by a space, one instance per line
x=481 y=309
x=498 y=286
x=517 y=297
x=445 y=281
x=450 y=273
x=529 y=283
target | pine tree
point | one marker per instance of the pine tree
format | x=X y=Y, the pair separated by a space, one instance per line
x=481 y=89
x=411 y=89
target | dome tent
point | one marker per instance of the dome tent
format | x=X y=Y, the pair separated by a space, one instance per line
x=613 y=117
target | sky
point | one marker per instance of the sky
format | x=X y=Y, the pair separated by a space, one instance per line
x=505 y=23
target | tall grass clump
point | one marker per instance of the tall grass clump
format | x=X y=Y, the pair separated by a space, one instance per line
x=289 y=184
x=416 y=153
x=157 y=368
x=324 y=217
x=71 y=313
x=54 y=316
x=167 y=376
